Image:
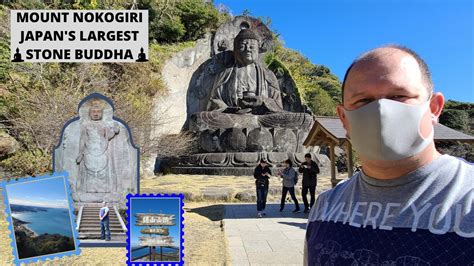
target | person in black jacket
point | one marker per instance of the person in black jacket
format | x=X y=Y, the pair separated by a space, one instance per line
x=310 y=170
x=262 y=173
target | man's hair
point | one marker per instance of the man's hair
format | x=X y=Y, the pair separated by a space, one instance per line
x=307 y=155
x=425 y=71
x=288 y=161
x=263 y=161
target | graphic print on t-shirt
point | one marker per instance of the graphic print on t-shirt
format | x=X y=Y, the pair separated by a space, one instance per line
x=423 y=218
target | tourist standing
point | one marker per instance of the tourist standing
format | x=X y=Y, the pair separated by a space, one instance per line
x=104 y=222
x=290 y=178
x=409 y=204
x=262 y=173
x=310 y=170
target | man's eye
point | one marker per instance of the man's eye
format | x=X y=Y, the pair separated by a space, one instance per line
x=398 y=97
x=365 y=100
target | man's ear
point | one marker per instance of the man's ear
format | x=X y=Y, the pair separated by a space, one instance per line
x=436 y=105
x=342 y=116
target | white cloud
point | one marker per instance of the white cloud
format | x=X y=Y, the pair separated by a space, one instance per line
x=40 y=202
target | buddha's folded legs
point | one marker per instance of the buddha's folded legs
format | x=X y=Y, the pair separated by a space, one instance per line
x=218 y=120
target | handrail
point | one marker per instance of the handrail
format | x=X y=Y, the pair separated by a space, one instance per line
x=79 y=217
x=124 y=227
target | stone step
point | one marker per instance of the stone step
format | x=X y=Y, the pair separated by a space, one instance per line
x=95 y=215
x=98 y=222
x=91 y=211
x=96 y=211
x=97 y=234
x=98 y=225
x=93 y=220
x=97 y=229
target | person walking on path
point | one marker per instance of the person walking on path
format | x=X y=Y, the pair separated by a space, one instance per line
x=261 y=174
x=290 y=178
x=310 y=170
x=104 y=222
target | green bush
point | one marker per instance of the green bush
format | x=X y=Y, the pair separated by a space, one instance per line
x=180 y=21
x=318 y=88
x=456 y=119
x=28 y=162
x=168 y=29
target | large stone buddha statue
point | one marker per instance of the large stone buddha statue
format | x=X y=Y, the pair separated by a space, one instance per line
x=240 y=109
x=246 y=94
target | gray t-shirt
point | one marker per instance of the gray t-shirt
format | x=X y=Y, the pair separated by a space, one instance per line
x=425 y=217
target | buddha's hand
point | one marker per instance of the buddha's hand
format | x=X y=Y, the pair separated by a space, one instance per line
x=116 y=128
x=79 y=158
x=252 y=101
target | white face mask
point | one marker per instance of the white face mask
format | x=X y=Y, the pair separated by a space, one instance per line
x=388 y=130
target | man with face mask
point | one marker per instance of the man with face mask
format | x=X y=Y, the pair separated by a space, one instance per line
x=408 y=204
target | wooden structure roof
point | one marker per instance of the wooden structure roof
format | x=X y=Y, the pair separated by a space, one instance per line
x=329 y=131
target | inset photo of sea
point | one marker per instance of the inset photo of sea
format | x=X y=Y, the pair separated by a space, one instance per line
x=41 y=218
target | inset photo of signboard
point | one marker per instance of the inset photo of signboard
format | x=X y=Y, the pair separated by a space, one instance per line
x=155 y=233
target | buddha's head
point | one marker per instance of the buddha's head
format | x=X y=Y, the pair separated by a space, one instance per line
x=246 y=47
x=96 y=110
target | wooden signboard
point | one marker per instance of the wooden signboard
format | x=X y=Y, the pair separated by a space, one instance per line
x=154 y=219
x=155 y=231
x=156 y=241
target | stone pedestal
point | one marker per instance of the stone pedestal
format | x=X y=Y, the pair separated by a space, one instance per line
x=238 y=163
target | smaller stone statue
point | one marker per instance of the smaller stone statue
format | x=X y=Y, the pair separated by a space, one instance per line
x=97 y=151
x=95 y=171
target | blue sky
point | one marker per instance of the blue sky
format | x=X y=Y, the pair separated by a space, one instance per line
x=155 y=205
x=47 y=192
x=334 y=32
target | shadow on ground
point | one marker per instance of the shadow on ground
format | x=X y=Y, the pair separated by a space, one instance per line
x=218 y=212
x=272 y=210
x=299 y=225
x=212 y=212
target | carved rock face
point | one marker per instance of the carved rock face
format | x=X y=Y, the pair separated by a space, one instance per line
x=234 y=140
x=259 y=139
x=209 y=140
x=284 y=140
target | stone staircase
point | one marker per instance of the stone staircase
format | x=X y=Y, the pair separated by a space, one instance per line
x=89 y=226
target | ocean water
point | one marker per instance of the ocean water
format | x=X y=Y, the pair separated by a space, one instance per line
x=51 y=221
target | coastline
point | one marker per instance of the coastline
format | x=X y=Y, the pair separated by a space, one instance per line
x=20 y=225
x=33 y=233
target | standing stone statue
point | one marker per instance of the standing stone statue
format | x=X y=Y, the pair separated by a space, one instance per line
x=97 y=151
x=96 y=169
